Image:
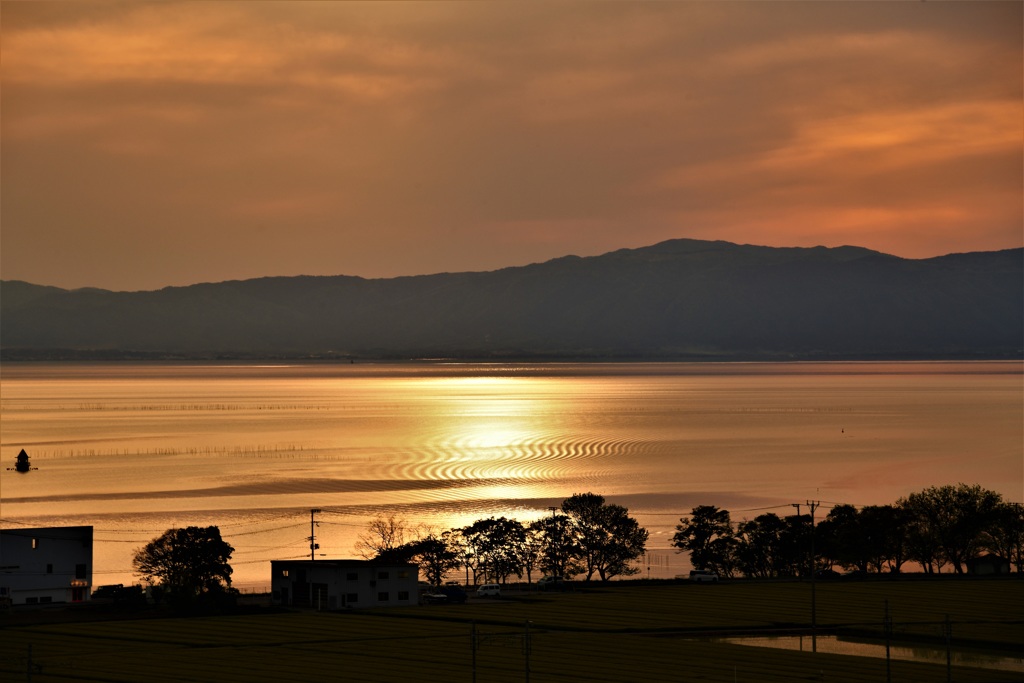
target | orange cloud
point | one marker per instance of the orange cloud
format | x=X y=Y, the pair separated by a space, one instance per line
x=489 y=134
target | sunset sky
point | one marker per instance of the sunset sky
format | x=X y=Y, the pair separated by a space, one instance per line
x=155 y=144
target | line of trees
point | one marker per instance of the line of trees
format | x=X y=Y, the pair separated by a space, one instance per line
x=190 y=567
x=944 y=526
x=590 y=538
x=935 y=528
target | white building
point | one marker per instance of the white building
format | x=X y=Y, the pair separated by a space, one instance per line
x=51 y=564
x=336 y=584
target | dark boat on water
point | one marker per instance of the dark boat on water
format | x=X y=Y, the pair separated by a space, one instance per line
x=21 y=463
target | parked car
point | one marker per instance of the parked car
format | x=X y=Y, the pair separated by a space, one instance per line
x=120 y=595
x=547 y=583
x=453 y=593
x=435 y=598
x=703 y=576
x=489 y=590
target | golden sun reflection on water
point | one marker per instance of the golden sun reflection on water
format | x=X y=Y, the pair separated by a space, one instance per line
x=495 y=435
x=253 y=449
x=491 y=426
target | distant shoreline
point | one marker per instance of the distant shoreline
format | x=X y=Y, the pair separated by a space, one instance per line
x=72 y=355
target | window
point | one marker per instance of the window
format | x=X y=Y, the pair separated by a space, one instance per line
x=352 y=576
x=351 y=597
x=403 y=595
x=284 y=573
x=382 y=575
x=79 y=571
x=45 y=598
x=31 y=601
x=403 y=574
x=49 y=569
x=383 y=596
x=35 y=543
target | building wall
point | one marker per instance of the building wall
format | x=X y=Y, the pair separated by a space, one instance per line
x=343 y=584
x=988 y=564
x=45 y=565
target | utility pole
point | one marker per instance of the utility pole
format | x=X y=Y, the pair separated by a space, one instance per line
x=948 y=631
x=313 y=545
x=797 y=506
x=473 y=644
x=813 y=504
x=526 y=651
x=557 y=532
x=887 y=627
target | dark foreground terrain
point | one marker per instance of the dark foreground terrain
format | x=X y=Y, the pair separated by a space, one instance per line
x=622 y=632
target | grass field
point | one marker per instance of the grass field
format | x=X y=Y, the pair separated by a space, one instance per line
x=623 y=632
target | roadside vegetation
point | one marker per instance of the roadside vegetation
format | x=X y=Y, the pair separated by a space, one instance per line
x=588 y=538
x=938 y=529
x=941 y=527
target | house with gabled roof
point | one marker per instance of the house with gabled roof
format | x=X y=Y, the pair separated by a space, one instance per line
x=343 y=584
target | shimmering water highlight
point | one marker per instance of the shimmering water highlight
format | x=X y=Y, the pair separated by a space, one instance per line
x=136 y=448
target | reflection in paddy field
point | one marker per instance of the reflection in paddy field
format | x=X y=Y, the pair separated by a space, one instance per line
x=870 y=648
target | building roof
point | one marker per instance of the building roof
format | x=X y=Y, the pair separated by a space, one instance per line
x=988 y=557
x=344 y=563
x=61 y=532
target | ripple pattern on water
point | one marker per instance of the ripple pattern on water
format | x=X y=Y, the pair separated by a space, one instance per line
x=181 y=443
x=536 y=458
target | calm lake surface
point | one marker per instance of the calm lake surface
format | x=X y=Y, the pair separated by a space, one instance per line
x=134 y=449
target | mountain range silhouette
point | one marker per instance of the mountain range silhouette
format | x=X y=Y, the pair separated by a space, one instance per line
x=680 y=299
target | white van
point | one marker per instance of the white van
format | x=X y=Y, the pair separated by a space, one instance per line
x=489 y=590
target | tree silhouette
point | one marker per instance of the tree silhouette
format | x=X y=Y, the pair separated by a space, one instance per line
x=436 y=556
x=559 y=553
x=186 y=563
x=609 y=539
x=956 y=518
x=383 y=534
x=1006 y=535
x=761 y=552
x=845 y=539
x=708 y=536
x=495 y=547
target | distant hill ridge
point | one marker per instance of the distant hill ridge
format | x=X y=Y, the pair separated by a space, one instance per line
x=685 y=299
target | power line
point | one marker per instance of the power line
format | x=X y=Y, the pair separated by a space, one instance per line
x=263 y=531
